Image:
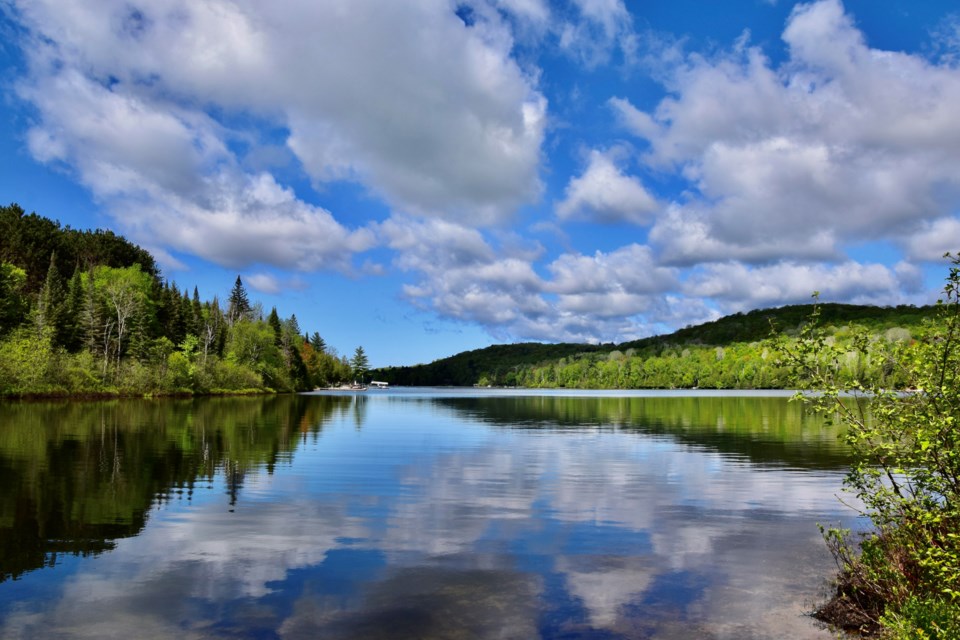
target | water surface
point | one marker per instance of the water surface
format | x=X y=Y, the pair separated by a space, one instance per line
x=416 y=513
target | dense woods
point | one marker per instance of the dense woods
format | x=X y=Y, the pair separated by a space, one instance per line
x=88 y=313
x=734 y=352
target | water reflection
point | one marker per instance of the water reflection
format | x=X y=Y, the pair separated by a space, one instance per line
x=416 y=517
x=76 y=476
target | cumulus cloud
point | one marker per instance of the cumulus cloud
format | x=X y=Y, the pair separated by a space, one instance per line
x=600 y=27
x=618 y=295
x=839 y=143
x=147 y=106
x=933 y=239
x=189 y=121
x=270 y=283
x=738 y=287
x=604 y=194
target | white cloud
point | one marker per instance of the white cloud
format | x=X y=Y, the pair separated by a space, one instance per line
x=187 y=119
x=272 y=284
x=532 y=13
x=240 y=220
x=933 y=239
x=601 y=27
x=614 y=296
x=738 y=287
x=604 y=194
x=685 y=236
x=947 y=38
x=631 y=268
x=840 y=143
x=143 y=104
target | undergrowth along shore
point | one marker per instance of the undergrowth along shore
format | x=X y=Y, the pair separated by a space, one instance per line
x=901 y=579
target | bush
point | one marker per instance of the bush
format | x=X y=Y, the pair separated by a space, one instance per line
x=902 y=579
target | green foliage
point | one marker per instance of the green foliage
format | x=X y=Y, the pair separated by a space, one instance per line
x=688 y=358
x=359 y=364
x=28 y=240
x=238 y=303
x=13 y=301
x=116 y=328
x=906 y=576
x=28 y=362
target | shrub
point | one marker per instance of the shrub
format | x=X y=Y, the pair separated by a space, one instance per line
x=902 y=579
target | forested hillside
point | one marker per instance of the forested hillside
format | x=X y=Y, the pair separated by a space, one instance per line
x=88 y=313
x=734 y=352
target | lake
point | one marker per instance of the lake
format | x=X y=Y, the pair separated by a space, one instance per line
x=417 y=513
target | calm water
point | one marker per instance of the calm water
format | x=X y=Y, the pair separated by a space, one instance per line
x=416 y=514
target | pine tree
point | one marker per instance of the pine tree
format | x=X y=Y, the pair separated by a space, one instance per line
x=190 y=324
x=197 y=308
x=274 y=321
x=359 y=364
x=176 y=329
x=72 y=335
x=239 y=304
x=292 y=325
x=317 y=343
x=48 y=314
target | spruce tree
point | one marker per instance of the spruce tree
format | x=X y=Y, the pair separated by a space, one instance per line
x=359 y=363
x=317 y=343
x=239 y=304
x=197 y=311
x=48 y=313
x=72 y=327
x=292 y=325
x=274 y=321
x=176 y=329
x=190 y=324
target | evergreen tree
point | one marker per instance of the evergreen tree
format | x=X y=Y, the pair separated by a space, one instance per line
x=190 y=324
x=72 y=327
x=292 y=325
x=359 y=364
x=48 y=313
x=176 y=329
x=274 y=321
x=239 y=304
x=197 y=308
x=299 y=375
x=97 y=326
x=317 y=343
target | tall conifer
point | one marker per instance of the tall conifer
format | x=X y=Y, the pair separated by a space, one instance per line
x=239 y=303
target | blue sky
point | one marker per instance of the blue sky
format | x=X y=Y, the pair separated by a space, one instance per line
x=430 y=176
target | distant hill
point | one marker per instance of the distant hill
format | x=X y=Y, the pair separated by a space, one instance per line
x=495 y=363
x=465 y=369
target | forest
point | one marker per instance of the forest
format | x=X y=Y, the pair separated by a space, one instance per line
x=734 y=352
x=87 y=313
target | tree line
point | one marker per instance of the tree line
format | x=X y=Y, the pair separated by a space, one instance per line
x=88 y=313
x=734 y=352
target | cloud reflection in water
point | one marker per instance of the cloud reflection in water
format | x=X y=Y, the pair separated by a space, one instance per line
x=428 y=522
